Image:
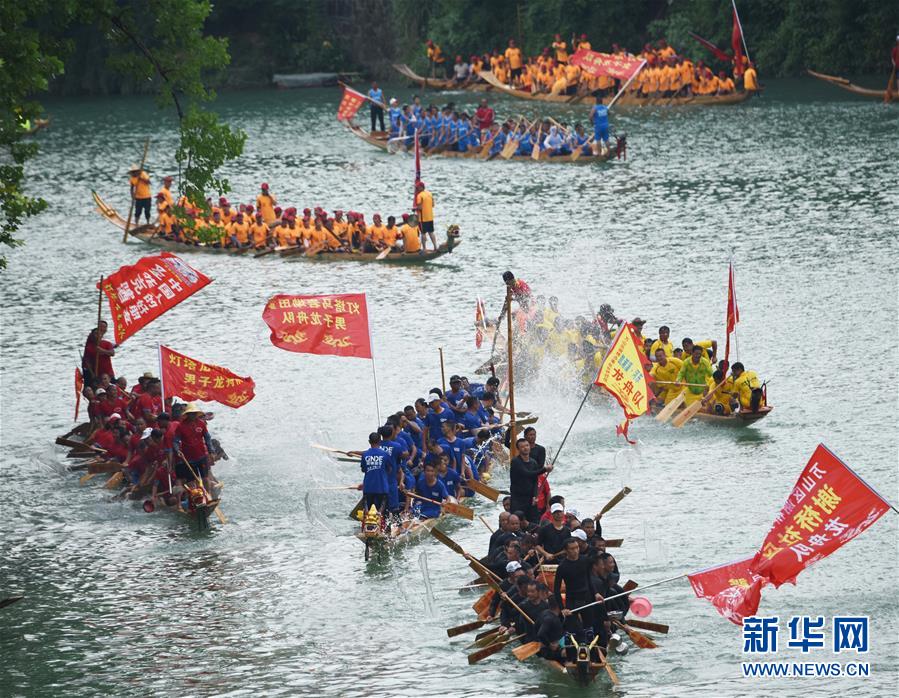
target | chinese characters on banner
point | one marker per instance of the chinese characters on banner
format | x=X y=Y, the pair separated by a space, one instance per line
x=190 y=379
x=623 y=374
x=829 y=506
x=350 y=104
x=733 y=589
x=140 y=293
x=331 y=324
x=594 y=63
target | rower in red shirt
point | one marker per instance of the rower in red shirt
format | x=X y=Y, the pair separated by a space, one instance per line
x=149 y=404
x=484 y=116
x=192 y=444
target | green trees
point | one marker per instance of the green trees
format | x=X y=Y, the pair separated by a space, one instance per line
x=158 y=41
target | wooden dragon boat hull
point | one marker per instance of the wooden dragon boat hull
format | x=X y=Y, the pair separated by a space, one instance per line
x=737 y=419
x=439 y=83
x=147 y=233
x=844 y=84
x=380 y=140
x=628 y=100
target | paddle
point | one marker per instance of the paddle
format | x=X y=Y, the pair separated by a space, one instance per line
x=383 y=254
x=330 y=449
x=625 y=491
x=11 y=600
x=630 y=585
x=638 y=638
x=670 y=408
x=71 y=443
x=481 y=488
x=476 y=657
x=646 y=625
x=83 y=480
x=266 y=252
x=484 y=572
x=485 y=639
x=689 y=412
x=449 y=507
x=613 y=677
x=465 y=627
x=447 y=541
x=484 y=521
x=526 y=651
x=614 y=542
x=114 y=481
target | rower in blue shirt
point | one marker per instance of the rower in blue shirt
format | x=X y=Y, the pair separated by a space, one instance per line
x=450 y=478
x=464 y=134
x=437 y=415
x=478 y=389
x=499 y=141
x=599 y=115
x=394 y=114
x=414 y=427
x=395 y=450
x=374 y=462
x=429 y=486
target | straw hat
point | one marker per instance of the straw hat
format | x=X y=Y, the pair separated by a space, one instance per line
x=134 y=168
x=192 y=407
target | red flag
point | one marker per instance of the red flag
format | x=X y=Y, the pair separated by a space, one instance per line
x=190 y=379
x=332 y=324
x=140 y=293
x=733 y=312
x=79 y=386
x=612 y=65
x=349 y=104
x=479 y=318
x=829 y=506
x=736 y=43
x=717 y=52
x=733 y=589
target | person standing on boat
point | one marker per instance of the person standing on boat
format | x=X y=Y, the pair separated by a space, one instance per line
x=193 y=444
x=484 y=116
x=523 y=474
x=599 y=115
x=92 y=347
x=140 y=192
x=265 y=204
x=424 y=207
x=513 y=55
x=435 y=57
x=376 y=105
x=574 y=572
x=374 y=462
x=751 y=79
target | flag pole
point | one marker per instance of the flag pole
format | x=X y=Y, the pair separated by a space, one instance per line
x=442 y=372
x=861 y=479
x=627 y=84
x=733 y=285
x=374 y=373
x=97 y=335
x=742 y=35
x=161 y=380
x=565 y=438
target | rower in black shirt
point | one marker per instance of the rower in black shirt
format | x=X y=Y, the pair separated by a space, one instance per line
x=550 y=632
x=534 y=607
x=496 y=538
x=552 y=537
x=605 y=580
x=574 y=572
x=523 y=474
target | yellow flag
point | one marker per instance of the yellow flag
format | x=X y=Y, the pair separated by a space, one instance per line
x=623 y=373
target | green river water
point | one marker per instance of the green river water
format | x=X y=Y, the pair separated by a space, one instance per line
x=799 y=186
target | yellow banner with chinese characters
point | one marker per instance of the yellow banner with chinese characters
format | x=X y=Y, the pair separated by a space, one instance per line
x=623 y=373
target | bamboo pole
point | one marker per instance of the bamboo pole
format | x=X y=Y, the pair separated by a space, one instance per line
x=513 y=451
x=97 y=334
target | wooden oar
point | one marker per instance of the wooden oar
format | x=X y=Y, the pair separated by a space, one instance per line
x=383 y=254
x=486 y=638
x=638 y=638
x=330 y=449
x=449 y=507
x=630 y=585
x=484 y=521
x=613 y=677
x=447 y=541
x=78 y=445
x=10 y=600
x=84 y=479
x=316 y=248
x=265 y=252
x=647 y=625
x=526 y=651
x=614 y=542
x=625 y=491
x=484 y=572
x=465 y=627
x=689 y=412
x=476 y=657
x=355 y=488
x=482 y=488
x=670 y=408
x=114 y=481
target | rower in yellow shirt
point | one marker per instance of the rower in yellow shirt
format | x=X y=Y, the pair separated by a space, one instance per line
x=265 y=204
x=376 y=233
x=662 y=343
x=139 y=182
x=166 y=219
x=665 y=371
x=583 y=44
x=725 y=400
x=725 y=84
x=166 y=192
x=411 y=236
x=282 y=234
x=259 y=230
x=561 y=49
x=751 y=79
x=319 y=235
x=435 y=58
x=747 y=387
x=424 y=208
x=239 y=231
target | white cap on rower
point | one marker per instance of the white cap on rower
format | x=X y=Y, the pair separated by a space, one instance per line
x=393 y=101
x=579 y=533
x=556 y=507
x=100 y=392
x=513 y=566
x=114 y=415
x=146 y=433
x=433 y=396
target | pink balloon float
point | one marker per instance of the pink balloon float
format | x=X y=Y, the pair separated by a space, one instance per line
x=640 y=606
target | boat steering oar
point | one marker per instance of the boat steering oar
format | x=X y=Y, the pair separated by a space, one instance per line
x=625 y=491
x=490 y=650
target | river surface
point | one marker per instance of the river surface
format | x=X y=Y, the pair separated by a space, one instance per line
x=799 y=187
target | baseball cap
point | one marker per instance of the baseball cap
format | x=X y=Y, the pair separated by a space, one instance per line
x=513 y=566
x=579 y=534
x=433 y=396
x=556 y=507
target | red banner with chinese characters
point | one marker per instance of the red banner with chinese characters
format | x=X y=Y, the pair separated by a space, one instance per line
x=140 y=293
x=334 y=324
x=829 y=506
x=350 y=104
x=190 y=379
x=595 y=63
x=733 y=589
x=623 y=373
